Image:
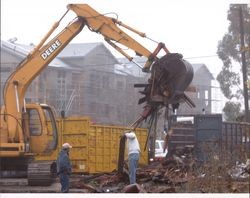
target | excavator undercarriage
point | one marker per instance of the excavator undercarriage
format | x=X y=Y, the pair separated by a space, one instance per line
x=41 y=173
x=38 y=173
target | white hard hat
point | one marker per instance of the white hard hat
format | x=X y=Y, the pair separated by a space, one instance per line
x=66 y=145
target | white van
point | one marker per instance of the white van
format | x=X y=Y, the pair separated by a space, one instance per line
x=159 y=144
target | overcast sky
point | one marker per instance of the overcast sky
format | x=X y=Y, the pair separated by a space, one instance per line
x=190 y=27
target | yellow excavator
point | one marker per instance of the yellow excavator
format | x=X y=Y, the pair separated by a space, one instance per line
x=30 y=129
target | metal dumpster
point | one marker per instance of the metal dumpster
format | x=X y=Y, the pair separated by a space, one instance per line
x=95 y=147
x=199 y=133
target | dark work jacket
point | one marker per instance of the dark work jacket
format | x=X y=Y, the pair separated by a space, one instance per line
x=63 y=162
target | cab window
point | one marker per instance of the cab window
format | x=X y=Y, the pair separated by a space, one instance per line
x=50 y=121
x=35 y=126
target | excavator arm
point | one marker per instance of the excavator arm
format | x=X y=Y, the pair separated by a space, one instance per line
x=31 y=67
x=108 y=28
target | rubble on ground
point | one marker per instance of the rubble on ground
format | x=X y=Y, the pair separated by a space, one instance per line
x=179 y=172
x=240 y=170
x=160 y=177
x=154 y=178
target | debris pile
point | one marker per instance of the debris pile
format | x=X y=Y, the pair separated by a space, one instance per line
x=177 y=175
x=155 y=178
x=241 y=171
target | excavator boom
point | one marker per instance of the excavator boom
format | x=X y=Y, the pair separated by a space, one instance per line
x=32 y=66
x=108 y=28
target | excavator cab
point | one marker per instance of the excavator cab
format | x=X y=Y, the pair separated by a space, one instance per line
x=41 y=127
x=38 y=135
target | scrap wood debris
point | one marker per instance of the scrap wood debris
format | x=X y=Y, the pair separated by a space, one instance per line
x=152 y=179
x=158 y=177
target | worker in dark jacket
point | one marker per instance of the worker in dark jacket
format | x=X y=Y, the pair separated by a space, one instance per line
x=64 y=167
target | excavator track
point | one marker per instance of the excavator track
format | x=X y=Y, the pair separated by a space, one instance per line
x=41 y=173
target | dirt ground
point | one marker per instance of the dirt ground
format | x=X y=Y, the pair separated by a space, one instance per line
x=155 y=178
x=18 y=185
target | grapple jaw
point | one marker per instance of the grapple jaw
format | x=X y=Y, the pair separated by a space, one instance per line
x=170 y=77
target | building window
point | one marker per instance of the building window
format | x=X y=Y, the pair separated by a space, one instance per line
x=206 y=94
x=119 y=85
x=6 y=69
x=93 y=80
x=106 y=110
x=61 y=74
x=105 y=82
x=92 y=107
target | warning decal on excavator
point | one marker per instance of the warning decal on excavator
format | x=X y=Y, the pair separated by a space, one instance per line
x=50 y=49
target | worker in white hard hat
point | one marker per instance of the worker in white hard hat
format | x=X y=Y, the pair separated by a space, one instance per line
x=64 y=167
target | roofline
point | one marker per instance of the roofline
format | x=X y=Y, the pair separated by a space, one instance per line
x=204 y=65
x=15 y=49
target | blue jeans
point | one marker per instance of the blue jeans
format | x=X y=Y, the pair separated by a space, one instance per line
x=64 y=180
x=133 y=159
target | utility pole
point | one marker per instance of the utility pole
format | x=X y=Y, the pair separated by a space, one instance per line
x=244 y=66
